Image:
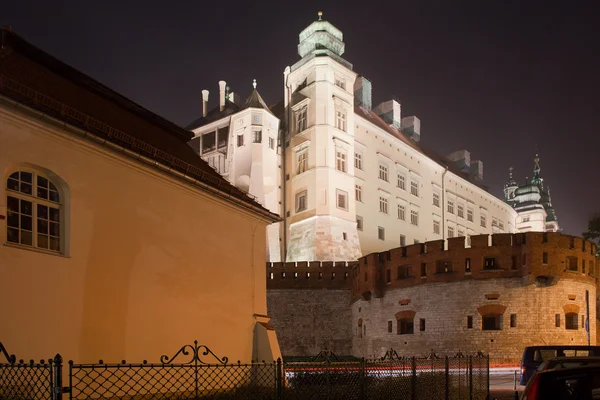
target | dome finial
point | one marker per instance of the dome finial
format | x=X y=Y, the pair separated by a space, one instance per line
x=320 y=14
x=254 y=83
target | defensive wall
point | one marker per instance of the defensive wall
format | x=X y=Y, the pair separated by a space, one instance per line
x=498 y=295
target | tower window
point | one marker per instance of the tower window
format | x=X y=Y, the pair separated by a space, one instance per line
x=302 y=160
x=301 y=119
x=381 y=233
x=340 y=161
x=257 y=136
x=342 y=199
x=340 y=120
x=301 y=201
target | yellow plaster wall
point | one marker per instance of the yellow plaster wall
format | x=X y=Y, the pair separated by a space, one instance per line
x=153 y=264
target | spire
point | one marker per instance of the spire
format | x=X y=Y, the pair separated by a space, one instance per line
x=320 y=14
x=254 y=84
x=537 y=179
x=510 y=186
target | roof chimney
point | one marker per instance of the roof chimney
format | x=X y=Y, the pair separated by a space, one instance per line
x=204 y=102
x=222 y=95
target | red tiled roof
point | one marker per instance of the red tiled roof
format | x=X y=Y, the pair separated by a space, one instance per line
x=35 y=78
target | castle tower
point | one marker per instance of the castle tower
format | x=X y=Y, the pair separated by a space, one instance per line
x=319 y=103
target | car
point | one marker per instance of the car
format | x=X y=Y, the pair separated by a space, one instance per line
x=564 y=383
x=533 y=356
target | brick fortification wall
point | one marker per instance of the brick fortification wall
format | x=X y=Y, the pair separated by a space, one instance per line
x=309 y=306
x=498 y=295
x=523 y=282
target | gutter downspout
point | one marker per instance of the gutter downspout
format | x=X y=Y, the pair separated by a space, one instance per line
x=283 y=161
x=444 y=204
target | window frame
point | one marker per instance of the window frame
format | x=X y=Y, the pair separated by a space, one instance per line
x=37 y=204
x=297 y=202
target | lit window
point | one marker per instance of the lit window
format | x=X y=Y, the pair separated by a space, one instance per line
x=358 y=191
x=381 y=233
x=401 y=212
x=383 y=205
x=257 y=136
x=383 y=172
x=450 y=208
x=301 y=201
x=436 y=227
x=401 y=181
x=483 y=221
x=414 y=188
x=469 y=214
x=342 y=199
x=359 y=223
x=33 y=211
x=301 y=119
x=302 y=158
x=461 y=211
x=450 y=232
x=436 y=199
x=340 y=120
x=414 y=217
x=358 y=161
x=340 y=157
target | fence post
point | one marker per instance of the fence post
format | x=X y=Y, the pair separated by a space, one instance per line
x=470 y=367
x=362 y=380
x=57 y=392
x=413 y=381
x=447 y=378
x=279 y=380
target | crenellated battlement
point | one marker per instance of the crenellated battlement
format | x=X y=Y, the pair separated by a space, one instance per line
x=542 y=257
x=310 y=275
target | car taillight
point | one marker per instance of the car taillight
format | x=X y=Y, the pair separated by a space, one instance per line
x=532 y=389
x=522 y=370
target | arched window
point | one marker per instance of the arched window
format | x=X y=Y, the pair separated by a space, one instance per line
x=34 y=206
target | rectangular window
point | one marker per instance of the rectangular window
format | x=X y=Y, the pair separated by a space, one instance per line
x=491 y=322
x=525 y=219
x=572 y=321
x=405 y=327
x=390 y=326
x=240 y=140
x=572 y=263
x=402 y=240
x=301 y=201
x=340 y=83
x=469 y=322
x=358 y=161
x=414 y=188
x=436 y=227
x=302 y=159
x=583 y=266
x=422 y=324
x=414 y=217
x=557 y=320
x=514 y=265
x=443 y=266
x=209 y=142
x=544 y=258
x=257 y=136
x=401 y=181
x=460 y=211
x=513 y=320
x=467 y=265
x=388 y=275
x=345 y=237
x=381 y=233
x=450 y=208
x=436 y=199
x=450 y=232
x=301 y=119
x=404 y=271
x=272 y=143
x=340 y=120
x=358 y=192
x=342 y=199
x=383 y=205
x=401 y=212
x=359 y=223
x=524 y=260
x=483 y=221
x=469 y=214
x=489 y=263
x=423 y=270
x=383 y=172
x=340 y=158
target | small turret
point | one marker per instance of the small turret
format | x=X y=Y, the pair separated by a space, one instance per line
x=509 y=187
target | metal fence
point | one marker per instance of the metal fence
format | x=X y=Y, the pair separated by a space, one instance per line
x=195 y=372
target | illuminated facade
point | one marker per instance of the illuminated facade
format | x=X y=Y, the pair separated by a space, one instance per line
x=348 y=178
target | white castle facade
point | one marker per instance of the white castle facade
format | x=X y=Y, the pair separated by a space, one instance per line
x=347 y=179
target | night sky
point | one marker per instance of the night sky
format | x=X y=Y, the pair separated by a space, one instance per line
x=501 y=79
